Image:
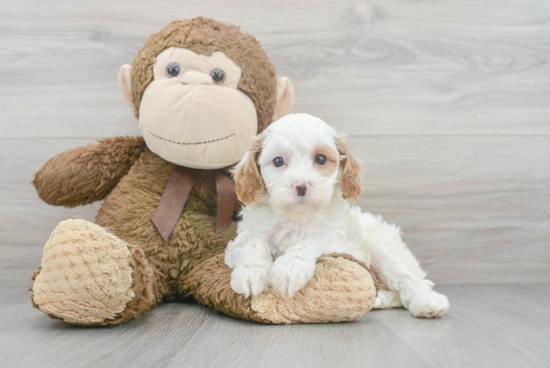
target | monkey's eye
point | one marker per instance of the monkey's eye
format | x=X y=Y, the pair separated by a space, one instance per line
x=173 y=70
x=218 y=75
x=320 y=159
x=278 y=161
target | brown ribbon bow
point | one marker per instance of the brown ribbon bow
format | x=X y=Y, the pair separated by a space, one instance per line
x=177 y=191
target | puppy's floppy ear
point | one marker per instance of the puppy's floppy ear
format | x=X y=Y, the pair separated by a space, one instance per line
x=248 y=180
x=350 y=180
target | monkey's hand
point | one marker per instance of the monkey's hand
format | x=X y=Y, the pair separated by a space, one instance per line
x=87 y=174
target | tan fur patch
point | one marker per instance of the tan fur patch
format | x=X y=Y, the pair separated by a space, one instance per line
x=248 y=180
x=332 y=160
x=341 y=290
x=350 y=180
x=87 y=174
x=85 y=276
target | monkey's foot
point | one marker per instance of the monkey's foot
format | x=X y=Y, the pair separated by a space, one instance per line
x=341 y=289
x=86 y=276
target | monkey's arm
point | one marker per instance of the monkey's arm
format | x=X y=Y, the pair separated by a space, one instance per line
x=86 y=174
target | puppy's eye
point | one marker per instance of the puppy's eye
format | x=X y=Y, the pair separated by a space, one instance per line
x=218 y=75
x=173 y=70
x=278 y=161
x=320 y=159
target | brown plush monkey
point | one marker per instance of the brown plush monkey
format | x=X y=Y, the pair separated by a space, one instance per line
x=200 y=89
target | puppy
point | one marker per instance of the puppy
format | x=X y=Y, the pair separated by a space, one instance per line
x=296 y=181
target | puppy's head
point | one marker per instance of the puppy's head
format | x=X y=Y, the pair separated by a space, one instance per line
x=296 y=163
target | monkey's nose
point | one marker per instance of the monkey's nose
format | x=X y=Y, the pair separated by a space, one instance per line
x=195 y=78
x=301 y=189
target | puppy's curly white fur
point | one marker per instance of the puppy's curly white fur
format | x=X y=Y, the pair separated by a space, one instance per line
x=295 y=182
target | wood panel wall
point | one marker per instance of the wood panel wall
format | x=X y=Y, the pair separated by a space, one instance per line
x=447 y=103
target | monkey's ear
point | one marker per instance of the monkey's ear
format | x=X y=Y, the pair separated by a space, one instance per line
x=125 y=83
x=285 y=98
x=248 y=180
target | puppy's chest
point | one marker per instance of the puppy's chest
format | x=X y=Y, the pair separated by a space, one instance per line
x=284 y=234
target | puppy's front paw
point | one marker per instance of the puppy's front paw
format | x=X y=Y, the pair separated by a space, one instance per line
x=249 y=280
x=428 y=304
x=291 y=273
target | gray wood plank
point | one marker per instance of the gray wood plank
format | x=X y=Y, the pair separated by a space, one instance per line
x=396 y=67
x=25 y=221
x=487 y=326
x=474 y=210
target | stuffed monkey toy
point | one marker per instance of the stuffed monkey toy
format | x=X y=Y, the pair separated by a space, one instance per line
x=201 y=90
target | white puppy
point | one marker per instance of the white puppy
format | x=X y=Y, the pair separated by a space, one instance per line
x=295 y=182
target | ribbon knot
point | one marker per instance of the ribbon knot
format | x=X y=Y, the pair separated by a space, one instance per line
x=177 y=191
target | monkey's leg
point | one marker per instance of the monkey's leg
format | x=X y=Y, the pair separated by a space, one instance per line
x=341 y=289
x=90 y=277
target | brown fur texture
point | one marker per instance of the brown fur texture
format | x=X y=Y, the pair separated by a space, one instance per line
x=208 y=285
x=248 y=180
x=351 y=282
x=352 y=172
x=205 y=36
x=124 y=241
x=190 y=263
x=159 y=266
x=81 y=176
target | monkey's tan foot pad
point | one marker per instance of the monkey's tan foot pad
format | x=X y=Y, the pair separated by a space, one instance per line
x=85 y=276
x=341 y=289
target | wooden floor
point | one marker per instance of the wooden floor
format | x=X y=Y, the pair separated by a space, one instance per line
x=446 y=101
x=488 y=326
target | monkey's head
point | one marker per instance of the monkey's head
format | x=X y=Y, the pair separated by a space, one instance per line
x=201 y=89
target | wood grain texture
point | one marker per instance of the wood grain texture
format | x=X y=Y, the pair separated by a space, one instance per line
x=472 y=209
x=447 y=102
x=397 y=67
x=487 y=326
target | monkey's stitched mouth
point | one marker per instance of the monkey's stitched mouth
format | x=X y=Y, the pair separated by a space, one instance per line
x=191 y=143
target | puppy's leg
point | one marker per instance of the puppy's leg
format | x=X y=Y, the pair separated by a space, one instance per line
x=387 y=299
x=400 y=271
x=293 y=270
x=251 y=263
x=422 y=301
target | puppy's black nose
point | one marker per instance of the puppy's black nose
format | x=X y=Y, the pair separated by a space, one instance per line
x=301 y=189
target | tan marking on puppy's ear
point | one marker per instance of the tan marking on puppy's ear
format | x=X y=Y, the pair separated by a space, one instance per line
x=248 y=180
x=350 y=180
